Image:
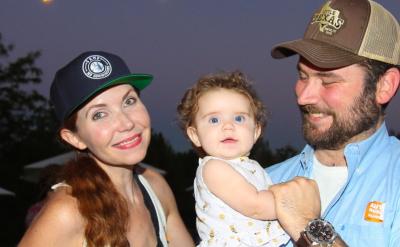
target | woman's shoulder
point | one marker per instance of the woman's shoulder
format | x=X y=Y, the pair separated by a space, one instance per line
x=62 y=209
x=173 y=224
x=64 y=205
x=154 y=178
x=59 y=216
x=157 y=183
x=160 y=186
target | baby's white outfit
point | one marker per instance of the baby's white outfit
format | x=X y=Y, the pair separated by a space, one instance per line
x=220 y=225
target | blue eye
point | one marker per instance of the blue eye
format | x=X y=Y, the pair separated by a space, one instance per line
x=239 y=119
x=98 y=115
x=213 y=120
x=130 y=101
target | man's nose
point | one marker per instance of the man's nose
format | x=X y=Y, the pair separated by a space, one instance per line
x=308 y=93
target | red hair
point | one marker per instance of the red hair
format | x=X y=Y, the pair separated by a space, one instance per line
x=104 y=209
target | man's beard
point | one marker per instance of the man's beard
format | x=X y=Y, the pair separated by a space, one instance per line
x=361 y=116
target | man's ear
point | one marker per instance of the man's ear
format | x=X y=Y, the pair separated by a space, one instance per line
x=71 y=138
x=387 y=86
x=257 y=133
x=192 y=133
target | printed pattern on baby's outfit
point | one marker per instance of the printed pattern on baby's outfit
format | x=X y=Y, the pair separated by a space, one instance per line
x=220 y=225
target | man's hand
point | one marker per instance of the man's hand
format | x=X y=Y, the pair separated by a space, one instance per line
x=296 y=202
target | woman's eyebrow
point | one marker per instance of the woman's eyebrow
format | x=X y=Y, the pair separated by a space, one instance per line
x=93 y=106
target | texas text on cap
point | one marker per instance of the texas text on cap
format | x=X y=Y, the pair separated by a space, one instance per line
x=344 y=32
x=86 y=76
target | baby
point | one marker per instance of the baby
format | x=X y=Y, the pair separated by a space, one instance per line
x=223 y=117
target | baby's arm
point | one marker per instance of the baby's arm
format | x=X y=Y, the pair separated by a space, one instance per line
x=232 y=188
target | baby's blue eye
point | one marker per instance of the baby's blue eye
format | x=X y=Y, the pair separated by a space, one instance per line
x=239 y=119
x=213 y=120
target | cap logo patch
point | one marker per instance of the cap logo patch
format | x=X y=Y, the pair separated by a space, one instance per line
x=328 y=20
x=96 y=67
x=375 y=212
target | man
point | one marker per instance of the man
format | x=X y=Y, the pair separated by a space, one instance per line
x=348 y=73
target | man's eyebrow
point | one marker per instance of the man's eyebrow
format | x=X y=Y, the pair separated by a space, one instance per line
x=325 y=74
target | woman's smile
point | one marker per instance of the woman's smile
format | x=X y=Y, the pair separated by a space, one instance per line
x=130 y=142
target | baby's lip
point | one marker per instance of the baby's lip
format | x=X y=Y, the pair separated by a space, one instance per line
x=229 y=140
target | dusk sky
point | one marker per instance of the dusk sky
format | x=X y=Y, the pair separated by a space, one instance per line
x=177 y=41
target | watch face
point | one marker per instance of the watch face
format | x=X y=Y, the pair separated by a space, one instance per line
x=321 y=231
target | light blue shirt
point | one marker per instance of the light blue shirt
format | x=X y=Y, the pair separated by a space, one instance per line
x=374 y=176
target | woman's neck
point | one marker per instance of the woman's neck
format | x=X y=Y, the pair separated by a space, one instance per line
x=122 y=179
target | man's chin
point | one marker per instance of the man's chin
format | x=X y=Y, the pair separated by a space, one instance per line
x=311 y=131
x=320 y=139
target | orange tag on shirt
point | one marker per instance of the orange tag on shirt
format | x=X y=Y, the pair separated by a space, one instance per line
x=375 y=212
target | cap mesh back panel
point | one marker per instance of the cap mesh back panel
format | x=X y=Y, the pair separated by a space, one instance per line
x=381 y=41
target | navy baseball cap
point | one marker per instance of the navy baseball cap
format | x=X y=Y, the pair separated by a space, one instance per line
x=86 y=76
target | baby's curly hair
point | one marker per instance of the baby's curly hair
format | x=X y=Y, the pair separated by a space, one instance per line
x=235 y=81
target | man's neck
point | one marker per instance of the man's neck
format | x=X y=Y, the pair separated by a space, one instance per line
x=331 y=157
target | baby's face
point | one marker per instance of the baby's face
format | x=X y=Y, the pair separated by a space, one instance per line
x=224 y=125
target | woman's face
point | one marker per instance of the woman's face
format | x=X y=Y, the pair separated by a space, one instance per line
x=114 y=126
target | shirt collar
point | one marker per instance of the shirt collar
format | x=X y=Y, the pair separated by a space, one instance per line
x=378 y=140
x=372 y=145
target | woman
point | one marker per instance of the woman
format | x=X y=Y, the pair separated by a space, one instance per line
x=105 y=198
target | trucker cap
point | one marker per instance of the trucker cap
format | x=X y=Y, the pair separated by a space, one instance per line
x=344 y=32
x=86 y=76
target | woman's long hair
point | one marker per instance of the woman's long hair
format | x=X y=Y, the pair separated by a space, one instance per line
x=104 y=209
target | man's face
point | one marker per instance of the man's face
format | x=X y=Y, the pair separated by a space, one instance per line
x=335 y=105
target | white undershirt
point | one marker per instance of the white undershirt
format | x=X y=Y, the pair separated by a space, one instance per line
x=330 y=180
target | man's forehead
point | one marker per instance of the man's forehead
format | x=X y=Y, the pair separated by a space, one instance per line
x=304 y=63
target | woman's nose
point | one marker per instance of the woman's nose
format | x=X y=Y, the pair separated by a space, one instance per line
x=125 y=122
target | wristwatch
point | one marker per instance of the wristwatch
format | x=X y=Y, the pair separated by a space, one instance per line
x=318 y=232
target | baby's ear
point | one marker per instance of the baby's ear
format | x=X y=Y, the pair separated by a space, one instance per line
x=192 y=133
x=257 y=133
x=72 y=138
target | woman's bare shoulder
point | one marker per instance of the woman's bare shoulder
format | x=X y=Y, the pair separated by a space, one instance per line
x=176 y=231
x=153 y=177
x=65 y=207
x=160 y=187
x=58 y=223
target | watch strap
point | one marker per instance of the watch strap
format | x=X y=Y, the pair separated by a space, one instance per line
x=303 y=241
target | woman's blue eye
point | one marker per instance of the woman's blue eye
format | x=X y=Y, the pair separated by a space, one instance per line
x=213 y=120
x=239 y=119
x=130 y=101
x=98 y=115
